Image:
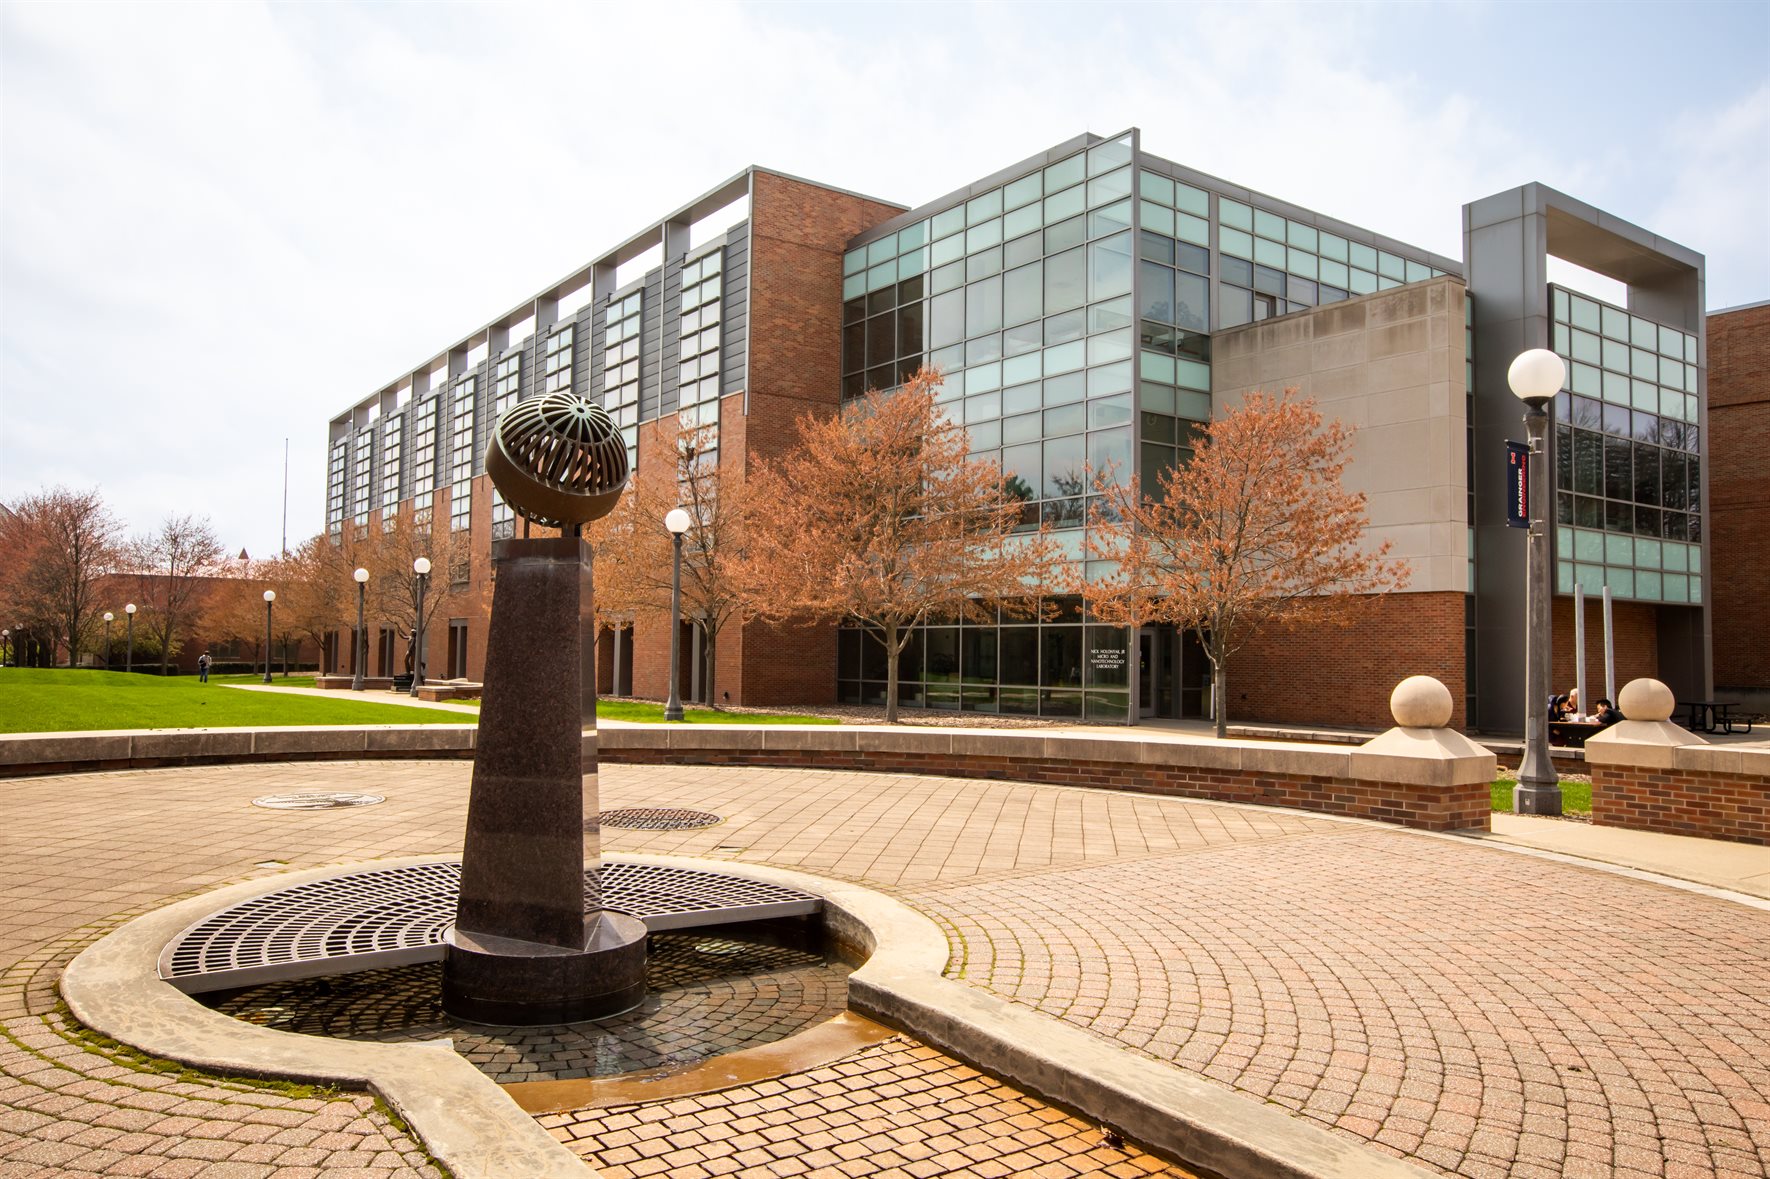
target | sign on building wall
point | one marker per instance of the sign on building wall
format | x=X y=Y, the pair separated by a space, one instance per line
x=1517 y=484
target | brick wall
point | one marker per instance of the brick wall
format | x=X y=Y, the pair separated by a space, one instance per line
x=1682 y=801
x=1739 y=494
x=1428 y=808
x=1636 y=640
x=1343 y=676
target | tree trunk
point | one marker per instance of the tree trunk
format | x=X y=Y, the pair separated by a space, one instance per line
x=891 y=674
x=1220 y=698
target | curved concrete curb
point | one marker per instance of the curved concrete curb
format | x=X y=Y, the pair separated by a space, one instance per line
x=461 y=1116
x=473 y=1127
x=24 y=754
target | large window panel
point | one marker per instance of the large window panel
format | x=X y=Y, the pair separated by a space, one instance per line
x=1066 y=280
x=1023 y=294
x=1109 y=267
x=983 y=307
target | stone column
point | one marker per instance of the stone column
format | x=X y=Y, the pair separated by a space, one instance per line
x=531 y=943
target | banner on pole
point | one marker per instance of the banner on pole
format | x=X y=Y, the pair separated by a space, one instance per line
x=1517 y=484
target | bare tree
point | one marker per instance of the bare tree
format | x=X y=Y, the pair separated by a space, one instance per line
x=1255 y=531
x=393 y=585
x=879 y=516
x=66 y=541
x=170 y=564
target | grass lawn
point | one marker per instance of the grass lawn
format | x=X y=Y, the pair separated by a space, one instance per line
x=1575 y=796
x=257 y=677
x=627 y=710
x=39 y=700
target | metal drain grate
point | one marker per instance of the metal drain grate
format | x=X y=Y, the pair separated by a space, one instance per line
x=361 y=920
x=316 y=800
x=657 y=818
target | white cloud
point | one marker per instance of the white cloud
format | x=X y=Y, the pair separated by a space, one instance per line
x=222 y=225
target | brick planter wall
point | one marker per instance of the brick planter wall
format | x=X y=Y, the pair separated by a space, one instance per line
x=1708 y=791
x=1329 y=782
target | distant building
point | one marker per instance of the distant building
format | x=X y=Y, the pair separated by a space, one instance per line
x=1095 y=304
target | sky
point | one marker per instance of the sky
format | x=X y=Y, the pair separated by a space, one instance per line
x=220 y=226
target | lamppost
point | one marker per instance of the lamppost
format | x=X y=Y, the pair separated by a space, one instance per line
x=361 y=653
x=421 y=567
x=1536 y=376
x=107 y=639
x=678 y=522
x=6 y=644
x=270 y=597
x=129 y=651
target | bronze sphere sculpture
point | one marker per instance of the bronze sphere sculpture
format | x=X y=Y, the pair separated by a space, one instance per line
x=558 y=460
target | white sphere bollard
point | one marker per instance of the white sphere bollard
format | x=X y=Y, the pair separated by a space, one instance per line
x=1421 y=702
x=1646 y=700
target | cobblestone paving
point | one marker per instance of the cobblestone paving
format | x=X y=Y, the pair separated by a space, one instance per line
x=1482 y=1012
x=81 y=854
x=710 y=995
x=898 y=1110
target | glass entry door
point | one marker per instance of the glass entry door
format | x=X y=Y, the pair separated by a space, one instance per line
x=1146 y=679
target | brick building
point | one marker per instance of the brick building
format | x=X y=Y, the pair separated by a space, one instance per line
x=1094 y=304
x=1739 y=503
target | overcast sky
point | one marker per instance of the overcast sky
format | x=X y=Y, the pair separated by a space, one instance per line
x=221 y=226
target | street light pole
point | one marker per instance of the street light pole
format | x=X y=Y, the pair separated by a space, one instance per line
x=1536 y=376
x=107 y=639
x=129 y=651
x=270 y=597
x=360 y=655
x=421 y=567
x=6 y=644
x=678 y=522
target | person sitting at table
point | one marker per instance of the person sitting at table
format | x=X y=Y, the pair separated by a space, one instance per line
x=1607 y=713
x=1558 y=710
x=1573 y=710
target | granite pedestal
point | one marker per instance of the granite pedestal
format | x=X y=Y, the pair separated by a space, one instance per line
x=531 y=943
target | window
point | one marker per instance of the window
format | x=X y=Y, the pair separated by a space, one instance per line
x=392 y=440
x=697 y=377
x=362 y=469
x=507 y=382
x=559 y=360
x=335 y=489
x=620 y=368
x=503 y=518
x=424 y=447
x=461 y=457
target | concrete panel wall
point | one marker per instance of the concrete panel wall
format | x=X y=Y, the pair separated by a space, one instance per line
x=1390 y=366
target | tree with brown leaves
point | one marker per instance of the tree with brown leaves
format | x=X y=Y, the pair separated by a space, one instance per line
x=64 y=541
x=634 y=559
x=172 y=565
x=879 y=516
x=1255 y=532
x=393 y=587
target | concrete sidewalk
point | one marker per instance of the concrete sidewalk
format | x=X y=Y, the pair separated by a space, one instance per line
x=1737 y=867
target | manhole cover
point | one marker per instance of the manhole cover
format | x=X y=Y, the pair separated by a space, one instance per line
x=657 y=818
x=315 y=800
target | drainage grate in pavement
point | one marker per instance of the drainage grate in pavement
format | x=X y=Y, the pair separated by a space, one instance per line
x=657 y=818
x=316 y=800
x=361 y=919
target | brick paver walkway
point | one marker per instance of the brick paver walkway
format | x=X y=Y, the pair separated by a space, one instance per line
x=1482 y=1012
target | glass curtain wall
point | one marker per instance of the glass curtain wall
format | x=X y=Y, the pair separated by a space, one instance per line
x=1070 y=310
x=1628 y=486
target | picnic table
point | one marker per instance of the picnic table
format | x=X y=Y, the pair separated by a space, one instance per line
x=1713 y=715
x=1571 y=734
